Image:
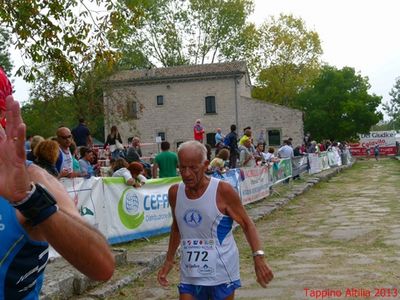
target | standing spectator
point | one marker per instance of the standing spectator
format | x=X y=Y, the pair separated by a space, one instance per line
x=246 y=156
x=64 y=162
x=136 y=170
x=198 y=131
x=218 y=163
x=85 y=162
x=82 y=135
x=231 y=141
x=120 y=169
x=259 y=154
x=36 y=139
x=166 y=161
x=285 y=151
x=114 y=142
x=219 y=140
x=376 y=151
x=46 y=153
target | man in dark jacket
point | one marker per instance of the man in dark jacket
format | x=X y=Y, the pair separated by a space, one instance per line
x=231 y=141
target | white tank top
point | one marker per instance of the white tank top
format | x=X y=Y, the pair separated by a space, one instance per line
x=209 y=255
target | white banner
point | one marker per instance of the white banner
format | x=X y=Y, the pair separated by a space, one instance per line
x=254 y=185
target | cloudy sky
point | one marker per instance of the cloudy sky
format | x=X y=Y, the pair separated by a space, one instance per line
x=363 y=34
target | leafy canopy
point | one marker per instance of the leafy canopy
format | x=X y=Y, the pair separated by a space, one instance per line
x=338 y=105
x=286 y=61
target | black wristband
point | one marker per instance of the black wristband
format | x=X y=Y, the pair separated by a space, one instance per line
x=40 y=205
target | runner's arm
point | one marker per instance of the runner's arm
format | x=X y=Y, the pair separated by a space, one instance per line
x=174 y=240
x=70 y=235
x=232 y=206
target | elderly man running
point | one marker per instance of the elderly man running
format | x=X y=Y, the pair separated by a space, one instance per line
x=203 y=211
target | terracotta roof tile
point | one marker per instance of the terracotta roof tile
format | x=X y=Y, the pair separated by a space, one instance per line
x=180 y=71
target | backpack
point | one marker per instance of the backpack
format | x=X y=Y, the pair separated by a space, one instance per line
x=227 y=141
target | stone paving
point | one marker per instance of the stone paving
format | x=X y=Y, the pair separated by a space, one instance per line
x=341 y=238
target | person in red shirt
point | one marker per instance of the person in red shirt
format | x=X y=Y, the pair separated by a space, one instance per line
x=198 y=131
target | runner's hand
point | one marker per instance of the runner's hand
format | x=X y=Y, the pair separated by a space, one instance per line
x=263 y=271
x=163 y=273
x=14 y=177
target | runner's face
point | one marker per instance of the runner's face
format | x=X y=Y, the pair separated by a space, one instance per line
x=191 y=167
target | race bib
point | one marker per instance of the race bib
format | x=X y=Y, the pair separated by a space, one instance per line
x=198 y=257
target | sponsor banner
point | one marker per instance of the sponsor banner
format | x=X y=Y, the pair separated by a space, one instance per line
x=386 y=140
x=299 y=165
x=315 y=163
x=254 y=184
x=323 y=156
x=231 y=176
x=280 y=170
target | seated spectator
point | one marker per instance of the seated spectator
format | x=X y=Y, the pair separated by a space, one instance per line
x=46 y=153
x=136 y=169
x=218 y=163
x=85 y=163
x=76 y=168
x=219 y=140
x=120 y=169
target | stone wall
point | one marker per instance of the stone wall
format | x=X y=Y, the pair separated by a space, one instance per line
x=184 y=102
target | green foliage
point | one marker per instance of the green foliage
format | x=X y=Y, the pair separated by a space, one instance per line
x=287 y=60
x=338 y=105
x=173 y=32
x=63 y=34
x=393 y=107
x=5 y=60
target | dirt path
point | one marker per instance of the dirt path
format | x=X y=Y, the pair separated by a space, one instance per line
x=340 y=240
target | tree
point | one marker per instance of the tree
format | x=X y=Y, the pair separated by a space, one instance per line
x=5 y=60
x=287 y=60
x=63 y=34
x=393 y=107
x=338 y=105
x=190 y=32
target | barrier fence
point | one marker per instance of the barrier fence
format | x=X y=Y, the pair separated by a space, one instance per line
x=123 y=213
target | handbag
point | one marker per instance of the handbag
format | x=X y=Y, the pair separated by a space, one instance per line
x=119 y=145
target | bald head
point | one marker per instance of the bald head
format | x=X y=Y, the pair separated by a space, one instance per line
x=195 y=147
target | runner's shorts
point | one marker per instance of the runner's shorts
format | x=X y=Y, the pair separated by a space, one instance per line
x=215 y=292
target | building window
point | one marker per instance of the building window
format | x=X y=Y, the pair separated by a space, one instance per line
x=160 y=100
x=162 y=135
x=133 y=109
x=274 y=137
x=211 y=139
x=210 y=105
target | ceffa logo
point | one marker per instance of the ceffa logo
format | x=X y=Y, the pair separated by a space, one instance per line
x=130 y=210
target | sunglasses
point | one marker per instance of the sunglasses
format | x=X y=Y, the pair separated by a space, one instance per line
x=65 y=137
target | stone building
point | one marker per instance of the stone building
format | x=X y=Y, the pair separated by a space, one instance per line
x=166 y=102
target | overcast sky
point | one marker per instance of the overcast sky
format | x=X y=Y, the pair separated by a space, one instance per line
x=363 y=34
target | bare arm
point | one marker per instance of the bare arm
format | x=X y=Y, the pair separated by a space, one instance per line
x=78 y=242
x=154 y=170
x=229 y=203
x=174 y=240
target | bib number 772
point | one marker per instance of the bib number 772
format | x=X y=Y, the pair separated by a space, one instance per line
x=197 y=255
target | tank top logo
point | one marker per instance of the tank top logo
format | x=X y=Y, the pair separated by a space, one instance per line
x=192 y=218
